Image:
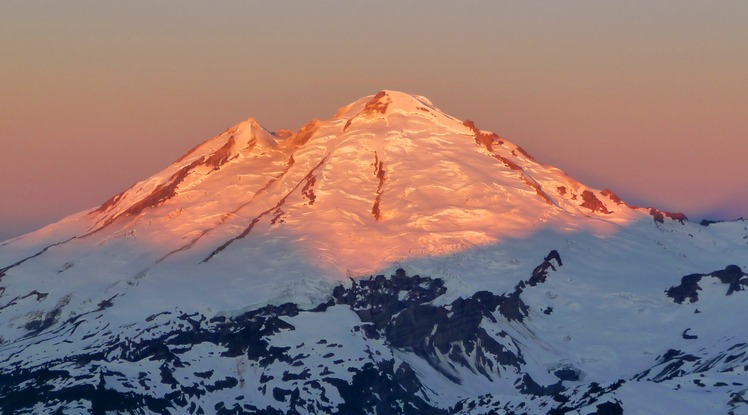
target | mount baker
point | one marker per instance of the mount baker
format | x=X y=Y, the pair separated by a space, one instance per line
x=391 y=259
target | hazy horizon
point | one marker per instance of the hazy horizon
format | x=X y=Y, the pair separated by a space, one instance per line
x=646 y=98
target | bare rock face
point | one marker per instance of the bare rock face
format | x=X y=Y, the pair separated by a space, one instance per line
x=612 y=196
x=394 y=314
x=591 y=202
x=659 y=215
x=484 y=138
x=389 y=317
x=733 y=276
x=609 y=408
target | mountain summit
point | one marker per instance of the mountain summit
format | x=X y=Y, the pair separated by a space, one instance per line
x=218 y=285
x=389 y=177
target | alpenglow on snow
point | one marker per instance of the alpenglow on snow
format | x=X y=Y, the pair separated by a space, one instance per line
x=389 y=260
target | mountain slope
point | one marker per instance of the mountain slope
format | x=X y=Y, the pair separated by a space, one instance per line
x=216 y=279
x=389 y=166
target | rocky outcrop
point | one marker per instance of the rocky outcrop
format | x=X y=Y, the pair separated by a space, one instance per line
x=512 y=307
x=383 y=389
x=676 y=364
x=167 y=189
x=308 y=180
x=591 y=202
x=528 y=181
x=733 y=276
x=304 y=134
x=707 y=222
x=612 y=196
x=381 y=175
x=483 y=138
x=378 y=299
x=395 y=314
x=660 y=215
x=376 y=105
x=592 y=399
x=399 y=310
x=389 y=331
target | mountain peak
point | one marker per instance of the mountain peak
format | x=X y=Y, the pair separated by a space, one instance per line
x=387 y=164
x=386 y=102
x=387 y=167
x=398 y=101
x=218 y=284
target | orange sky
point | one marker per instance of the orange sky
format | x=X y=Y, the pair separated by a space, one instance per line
x=648 y=98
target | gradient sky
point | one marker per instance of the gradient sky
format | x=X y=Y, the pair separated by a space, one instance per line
x=649 y=98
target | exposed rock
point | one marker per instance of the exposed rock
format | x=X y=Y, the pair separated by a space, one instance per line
x=382 y=389
x=512 y=307
x=687 y=336
x=273 y=209
x=688 y=288
x=609 y=408
x=397 y=314
x=529 y=387
x=528 y=181
x=304 y=134
x=612 y=196
x=42 y=321
x=657 y=215
x=512 y=165
x=398 y=309
x=381 y=175
x=591 y=202
x=540 y=273
x=707 y=222
x=378 y=104
x=103 y=304
x=220 y=156
x=568 y=373
x=524 y=153
x=554 y=255
x=660 y=215
x=308 y=189
x=680 y=217
x=412 y=327
x=486 y=139
x=378 y=299
x=730 y=275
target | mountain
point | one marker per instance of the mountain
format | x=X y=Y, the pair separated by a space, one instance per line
x=391 y=259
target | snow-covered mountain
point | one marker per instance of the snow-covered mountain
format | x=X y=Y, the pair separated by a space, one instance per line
x=390 y=259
